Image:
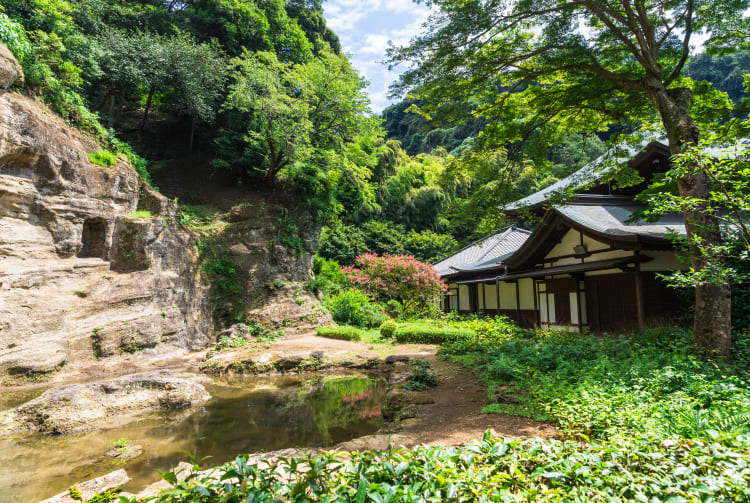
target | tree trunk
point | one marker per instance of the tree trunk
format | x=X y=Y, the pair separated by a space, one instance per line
x=148 y=106
x=712 y=325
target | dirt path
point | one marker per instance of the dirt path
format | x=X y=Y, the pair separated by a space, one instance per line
x=455 y=418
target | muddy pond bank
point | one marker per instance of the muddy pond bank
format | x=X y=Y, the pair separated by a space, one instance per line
x=245 y=414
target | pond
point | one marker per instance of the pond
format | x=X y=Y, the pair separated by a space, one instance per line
x=245 y=415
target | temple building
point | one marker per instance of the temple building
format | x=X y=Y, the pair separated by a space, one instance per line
x=588 y=264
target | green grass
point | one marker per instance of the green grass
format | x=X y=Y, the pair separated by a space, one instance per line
x=142 y=214
x=103 y=158
x=428 y=333
x=201 y=217
x=343 y=333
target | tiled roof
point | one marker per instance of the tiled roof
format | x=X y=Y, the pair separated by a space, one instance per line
x=613 y=220
x=484 y=252
x=603 y=165
x=584 y=176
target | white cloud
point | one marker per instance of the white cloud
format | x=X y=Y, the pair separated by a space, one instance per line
x=366 y=28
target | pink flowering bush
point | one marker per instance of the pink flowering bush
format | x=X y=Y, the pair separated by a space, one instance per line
x=395 y=277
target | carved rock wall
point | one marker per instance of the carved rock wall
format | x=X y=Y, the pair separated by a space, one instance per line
x=80 y=277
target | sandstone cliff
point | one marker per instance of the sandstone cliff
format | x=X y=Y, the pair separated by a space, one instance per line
x=89 y=287
x=80 y=277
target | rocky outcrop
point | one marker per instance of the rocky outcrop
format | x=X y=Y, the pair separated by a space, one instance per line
x=273 y=273
x=87 y=490
x=10 y=70
x=80 y=407
x=80 y=276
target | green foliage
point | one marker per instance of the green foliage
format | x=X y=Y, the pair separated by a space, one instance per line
x=14 y=36
x=343 y=333
x=647 y=385
x=328 y=279
x=354 y=307
x=230 y=343
x=727 y=199
x=196 y=216
x=388 y=329
x=492 y=469
x=421 y=379
x=108 y=496
x=75 y=493
x=306 y=124
x=418 y=136
x=218 y=267
x=725 y=73
x=142 y=214
x=426 y=332
x=103 y=158
x=121 y=443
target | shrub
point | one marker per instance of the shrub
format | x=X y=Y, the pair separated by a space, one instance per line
x=388 y=329
x=344 y=333
x=328 y=278
x=103 y=158
x=399 y=277
x=353 y=307
x=14 y=36
x=428 y=333
x=422 y=378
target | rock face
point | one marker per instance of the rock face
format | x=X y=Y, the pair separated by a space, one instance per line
x=80 y=407
x=80 y=278
x=274 y=275
x=10 y=71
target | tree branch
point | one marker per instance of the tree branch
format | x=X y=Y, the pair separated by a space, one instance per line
x=685 y=43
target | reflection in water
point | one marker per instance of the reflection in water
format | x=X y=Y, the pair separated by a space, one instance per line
x=245 y=415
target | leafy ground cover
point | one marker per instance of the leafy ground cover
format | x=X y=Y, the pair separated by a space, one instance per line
x=344 y=333
x=642 y=420
x=491 y=470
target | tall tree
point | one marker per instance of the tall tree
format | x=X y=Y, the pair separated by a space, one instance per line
x=539 y=67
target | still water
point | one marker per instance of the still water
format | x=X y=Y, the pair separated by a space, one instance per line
x=245 y=415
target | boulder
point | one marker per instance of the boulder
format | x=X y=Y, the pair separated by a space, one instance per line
x=372 y=443
x=236 y=331
x=80 y=407
x=288 y=363
x=91 y=487
x=10 y=70
x=34 y=357
x=390 y=360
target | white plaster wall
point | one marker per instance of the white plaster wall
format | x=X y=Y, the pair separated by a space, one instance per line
x=490 y=296
x=507 y=295
x=566 y=244
x=592 y=244
x=526 y=292
x=573 y=308
x=463 y=297
x=480 y=296
x=543 y=300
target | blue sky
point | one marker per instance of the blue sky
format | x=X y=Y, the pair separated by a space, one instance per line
x=365 y=27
